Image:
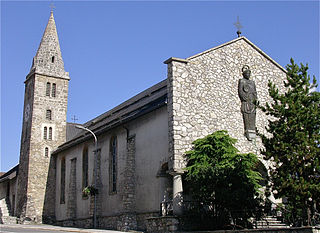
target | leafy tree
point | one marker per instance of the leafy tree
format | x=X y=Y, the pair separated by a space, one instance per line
x=221 y=181
x=293 y=146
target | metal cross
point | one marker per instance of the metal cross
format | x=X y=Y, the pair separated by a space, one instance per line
x=238 y=26
x=74 y=118
x=52 y=6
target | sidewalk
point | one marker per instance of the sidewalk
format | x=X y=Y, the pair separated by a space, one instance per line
x=58 y=228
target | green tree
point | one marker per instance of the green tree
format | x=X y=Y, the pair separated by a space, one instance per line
x=292 y=143
x=222 y=181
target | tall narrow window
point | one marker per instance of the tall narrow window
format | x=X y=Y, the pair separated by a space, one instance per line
x=53 y=92
x=50 y=133
x=63 y=181
x=45 y=133
x=48 y=115
x=46 y=152
x=48 y=89
x=113 y=165
x=52 y=59
x=85 y=167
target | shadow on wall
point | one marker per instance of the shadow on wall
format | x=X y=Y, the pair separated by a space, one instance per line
x=48 y=212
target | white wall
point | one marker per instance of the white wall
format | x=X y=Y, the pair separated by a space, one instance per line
x=151 y=132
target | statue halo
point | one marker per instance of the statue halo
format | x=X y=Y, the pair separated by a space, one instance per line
x=245 y=67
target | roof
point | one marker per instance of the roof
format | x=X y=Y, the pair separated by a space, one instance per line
x=141 y=104
x=13 y=172
x=48 y=59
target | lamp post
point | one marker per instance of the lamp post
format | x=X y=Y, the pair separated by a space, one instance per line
x=95 y=172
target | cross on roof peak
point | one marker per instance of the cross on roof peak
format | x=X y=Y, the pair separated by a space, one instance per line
x=52 y=6
x=238 y=26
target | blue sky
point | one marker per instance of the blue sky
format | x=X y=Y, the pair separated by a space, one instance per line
x=114 y=50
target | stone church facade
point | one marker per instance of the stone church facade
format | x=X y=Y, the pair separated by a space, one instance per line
x=139 y=160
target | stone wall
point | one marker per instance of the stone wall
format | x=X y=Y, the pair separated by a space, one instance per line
x=203 y=95
x=162 y=224
x=279 y=230
x=116 y=222
x=34 y=163
x=129 y=220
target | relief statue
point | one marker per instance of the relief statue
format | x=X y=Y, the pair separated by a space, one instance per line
x=248 y=96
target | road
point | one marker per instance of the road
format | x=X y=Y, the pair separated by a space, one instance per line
x=15 y=228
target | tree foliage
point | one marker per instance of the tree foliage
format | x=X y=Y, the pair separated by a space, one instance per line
x=222 y=181
x=294 y=143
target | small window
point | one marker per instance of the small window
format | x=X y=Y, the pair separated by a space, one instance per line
x=52 y=59
x=48 y=89
x=62 y=181
x=45 y=132
x=46 y=152
x=50 y=133
x=53 y=93
x=113 y=165
x=49 y=115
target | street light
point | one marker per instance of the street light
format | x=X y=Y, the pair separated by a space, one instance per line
x=95 y=172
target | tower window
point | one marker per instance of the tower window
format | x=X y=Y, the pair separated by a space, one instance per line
x=50 y=133
x=52 y=59
x=45 y=132
x=48 y=89
x=113 y=165
x=49 y=115
x=46 y=152
x=62 y=181
x=53 y=94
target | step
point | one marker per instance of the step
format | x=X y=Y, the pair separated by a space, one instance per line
x=270 y=222
x=8 y=220
x=4 y=210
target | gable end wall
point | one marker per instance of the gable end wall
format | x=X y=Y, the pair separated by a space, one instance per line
x=203 y=96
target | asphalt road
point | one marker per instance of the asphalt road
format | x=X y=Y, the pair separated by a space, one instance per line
x=15 y=228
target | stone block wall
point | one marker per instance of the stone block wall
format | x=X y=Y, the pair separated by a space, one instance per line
x=162 y=224
x=203 y=95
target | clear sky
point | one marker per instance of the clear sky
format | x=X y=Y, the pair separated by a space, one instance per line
x=113 y=49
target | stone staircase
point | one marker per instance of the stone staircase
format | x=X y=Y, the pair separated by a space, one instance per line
x=269 y=222
x=5 y=215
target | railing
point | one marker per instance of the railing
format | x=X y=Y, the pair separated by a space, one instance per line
x=238 y=219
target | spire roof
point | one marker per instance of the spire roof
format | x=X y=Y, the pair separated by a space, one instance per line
x=48 y=60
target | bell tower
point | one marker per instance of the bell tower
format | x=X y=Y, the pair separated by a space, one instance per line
x=44 y=123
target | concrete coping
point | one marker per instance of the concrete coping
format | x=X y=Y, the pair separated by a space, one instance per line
x=171 y=59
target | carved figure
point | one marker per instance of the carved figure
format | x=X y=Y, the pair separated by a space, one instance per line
x=248 y=95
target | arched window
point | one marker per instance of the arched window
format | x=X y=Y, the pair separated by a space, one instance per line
x=48 y=114
x=48 y=89
x=50 y=133
x=45 y=132
x=63 y=181
x=85 y=167
x=113 y=165
x=46 y=152
x=53 y=93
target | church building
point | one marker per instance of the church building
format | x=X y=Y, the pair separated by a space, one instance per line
x=123 y=169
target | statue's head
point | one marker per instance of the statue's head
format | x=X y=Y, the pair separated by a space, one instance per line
x=246 y=71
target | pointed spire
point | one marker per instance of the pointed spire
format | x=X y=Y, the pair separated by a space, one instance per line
x=48 y=60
